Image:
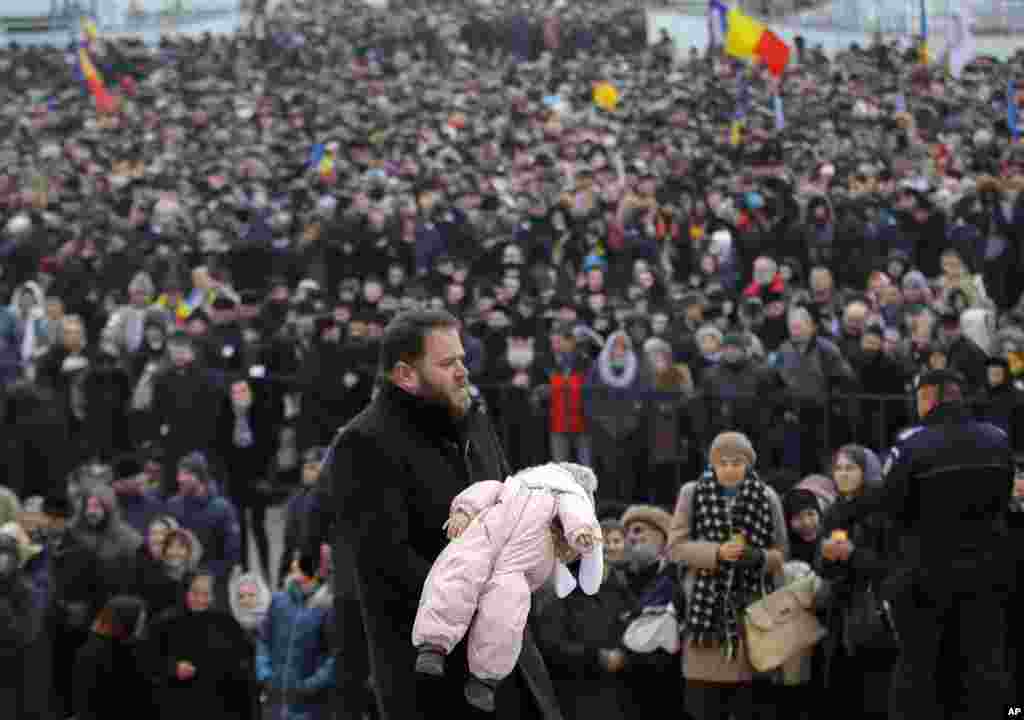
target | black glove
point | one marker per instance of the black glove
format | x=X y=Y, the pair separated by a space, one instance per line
x=751 y=558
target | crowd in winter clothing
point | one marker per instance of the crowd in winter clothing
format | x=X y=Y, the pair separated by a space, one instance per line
x=198 y=284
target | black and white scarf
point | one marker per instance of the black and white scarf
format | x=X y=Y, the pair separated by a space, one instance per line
x=720 y=596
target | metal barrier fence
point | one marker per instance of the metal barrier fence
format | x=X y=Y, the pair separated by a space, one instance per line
x=644 y=444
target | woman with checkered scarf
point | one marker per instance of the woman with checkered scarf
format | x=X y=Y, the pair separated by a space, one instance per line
x=730 y=531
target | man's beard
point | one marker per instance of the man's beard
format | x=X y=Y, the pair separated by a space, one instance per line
x=457 y=404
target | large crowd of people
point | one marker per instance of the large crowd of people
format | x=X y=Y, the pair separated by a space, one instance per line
x=199 y=282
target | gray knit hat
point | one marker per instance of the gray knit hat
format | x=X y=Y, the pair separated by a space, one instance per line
x=732 y=444
x=914 y=280
x=708 y=329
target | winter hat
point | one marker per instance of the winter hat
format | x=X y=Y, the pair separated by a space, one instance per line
x=57 y=506
x=732 y=444
x=799 y=499
x=612 y=525
x=314 y=455
x=734 y=340
x=611 y=510
x=127 y=466
x=195 y=463
x=33 y=504
x=656 y=345
x=652 y=515
x=143 y=283
x=914 y=280
x=706 y=330
x=309 y=562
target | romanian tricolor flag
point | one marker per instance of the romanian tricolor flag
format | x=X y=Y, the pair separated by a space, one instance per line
x=105 y=102
x=746 y=38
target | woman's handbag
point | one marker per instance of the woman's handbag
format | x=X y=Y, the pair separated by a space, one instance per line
x=781 y=625
x=867 y=624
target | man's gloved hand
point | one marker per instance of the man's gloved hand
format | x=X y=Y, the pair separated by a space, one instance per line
x=752 y=557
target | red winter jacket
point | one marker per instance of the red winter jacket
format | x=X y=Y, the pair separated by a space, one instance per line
x=566 y=414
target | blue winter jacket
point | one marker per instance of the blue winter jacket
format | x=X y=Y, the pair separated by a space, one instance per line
x=214 y=522
x=293 y=654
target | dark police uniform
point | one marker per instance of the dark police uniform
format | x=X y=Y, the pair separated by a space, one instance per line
x=947 y=486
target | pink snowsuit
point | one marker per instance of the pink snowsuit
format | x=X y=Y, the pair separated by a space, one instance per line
x=504 y=554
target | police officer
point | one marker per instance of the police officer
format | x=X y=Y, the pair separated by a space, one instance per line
x=947 y=485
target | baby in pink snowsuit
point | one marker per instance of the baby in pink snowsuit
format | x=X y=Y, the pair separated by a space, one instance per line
x=503 y=549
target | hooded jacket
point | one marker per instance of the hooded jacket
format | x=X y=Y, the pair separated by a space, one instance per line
x=113 y=543
x=606 y=387
x=214 y=521
x=294 y=655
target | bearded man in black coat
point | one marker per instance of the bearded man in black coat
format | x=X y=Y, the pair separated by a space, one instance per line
x=387 y=485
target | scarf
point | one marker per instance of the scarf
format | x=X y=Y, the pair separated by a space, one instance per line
x=719 y=596
x=243 y=436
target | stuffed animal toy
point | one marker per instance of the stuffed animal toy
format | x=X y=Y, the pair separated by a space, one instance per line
x=507 y=540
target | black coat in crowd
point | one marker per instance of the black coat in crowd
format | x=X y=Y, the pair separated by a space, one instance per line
x=391 y=477
x=572 y=633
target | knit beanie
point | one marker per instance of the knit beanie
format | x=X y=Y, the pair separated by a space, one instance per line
x=705 y=330
x=914 y=280
x=797 y=500
x=732 y=444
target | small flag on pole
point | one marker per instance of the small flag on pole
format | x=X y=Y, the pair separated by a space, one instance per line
x=1011 y=109
x=105 y=102
x=717 y=24
x=739 y=120
x=924 y=32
